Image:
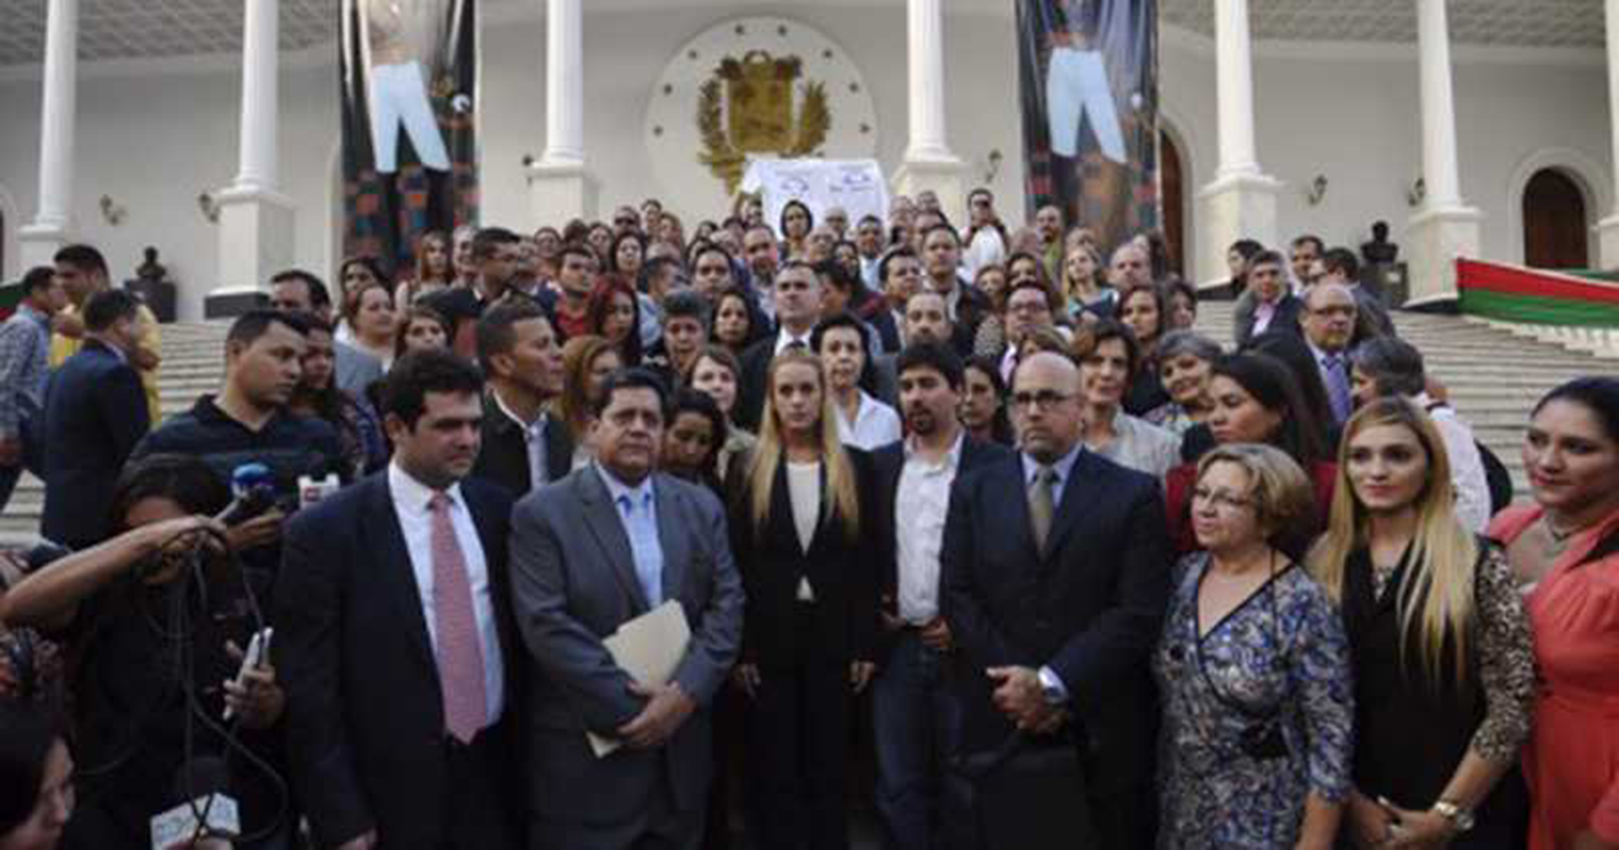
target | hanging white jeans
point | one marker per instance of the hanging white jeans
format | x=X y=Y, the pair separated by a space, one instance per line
x=399 y=98
x=1076 y=84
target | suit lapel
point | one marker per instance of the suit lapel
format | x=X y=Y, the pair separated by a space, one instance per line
x=601 y=516
x=1078 y=492
x=1015 y=493
x=398 y=574
x=673 y=522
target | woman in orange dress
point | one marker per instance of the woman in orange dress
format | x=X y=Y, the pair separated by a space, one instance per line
x=1565 y=551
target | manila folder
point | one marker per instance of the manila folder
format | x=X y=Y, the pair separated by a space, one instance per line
x=649 y=648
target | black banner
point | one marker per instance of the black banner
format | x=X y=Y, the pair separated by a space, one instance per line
x=1088 y=74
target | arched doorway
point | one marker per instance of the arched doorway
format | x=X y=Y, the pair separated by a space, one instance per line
x=1554 y=222
x=1170 y=182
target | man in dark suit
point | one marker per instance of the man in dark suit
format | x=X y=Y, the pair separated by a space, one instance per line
x=394 y=636
x=1267 y=304
x=524 y=448
x=95 y=414
x=1055 y=578
x=1341 y=266
x=798 y=308
x=607 y=544
x=913 y=711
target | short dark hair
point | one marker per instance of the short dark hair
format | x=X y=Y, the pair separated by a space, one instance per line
x=83 y=257
x=495 y=335
x=981 y=190
x=319 y=295
x=1089 y=338
x=686 y=304
x=866 y=219
x=36 y=279
x=1311 y=239
x=486 y=240
x=1394 y=364
x=253 y=324
x=1268 y=257
x=889 y=257
x=937 y=356
x=837 y=275
x=108 y=306
x=943 y=224
x=187 y=480
x=413 y=376
x=1343 y=261
x=655 y=266
x=577 y=250
x=832 y=323
x=632 y=378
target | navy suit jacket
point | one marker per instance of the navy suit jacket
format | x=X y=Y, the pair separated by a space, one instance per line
x=365 y=715
x=1090 y=605
x=95 y=413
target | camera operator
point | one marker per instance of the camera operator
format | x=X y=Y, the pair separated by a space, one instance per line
x=155 y=617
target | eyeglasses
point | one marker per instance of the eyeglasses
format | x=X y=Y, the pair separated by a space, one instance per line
x=1221 y=499
x=1042 y=400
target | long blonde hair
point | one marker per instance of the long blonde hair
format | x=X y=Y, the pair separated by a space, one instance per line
x=1436 y=600
x=767 y=456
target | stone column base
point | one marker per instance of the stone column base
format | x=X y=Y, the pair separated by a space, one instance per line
x=255 y=242
x=38 y=244
x=559 y=192
x=1434 y=238
x=1233 y=207
x=1608 y=243
x=946 y=177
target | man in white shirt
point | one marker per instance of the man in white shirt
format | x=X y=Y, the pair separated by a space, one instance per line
x=913 y=710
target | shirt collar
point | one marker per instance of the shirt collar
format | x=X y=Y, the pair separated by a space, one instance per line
x=639 y=494
x=414 y=494
x=785 y=338
x=952 y=458
x=1062 y=467
x=534 y=427
x=1321 y=356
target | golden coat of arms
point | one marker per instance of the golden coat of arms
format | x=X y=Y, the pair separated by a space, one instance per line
x=747 y=108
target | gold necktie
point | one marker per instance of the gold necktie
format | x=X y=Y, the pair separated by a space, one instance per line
x=1041 y=505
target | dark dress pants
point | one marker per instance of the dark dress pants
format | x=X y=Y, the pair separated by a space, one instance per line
x=797 y=755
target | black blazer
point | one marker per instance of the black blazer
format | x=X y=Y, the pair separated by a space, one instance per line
x=750 y=390
x=887 y=463
x=842 y=572
x=1090 y=605
x=95 y=414
x=503 y=457
x=365 y=719
x=1289 y=308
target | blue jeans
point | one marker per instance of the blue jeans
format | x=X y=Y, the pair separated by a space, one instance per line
x=915 y=718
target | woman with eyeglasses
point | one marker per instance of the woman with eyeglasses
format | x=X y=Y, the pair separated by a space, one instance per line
x=1564 y=551
x=1436 y=630
x=1253 y=671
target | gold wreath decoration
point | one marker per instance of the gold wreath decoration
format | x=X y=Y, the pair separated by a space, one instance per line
x=813 y=122
x=722 y=158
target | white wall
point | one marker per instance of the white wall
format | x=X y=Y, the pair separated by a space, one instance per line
x=153 y=141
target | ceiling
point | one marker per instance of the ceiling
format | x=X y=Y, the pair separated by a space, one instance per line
x=125 y=29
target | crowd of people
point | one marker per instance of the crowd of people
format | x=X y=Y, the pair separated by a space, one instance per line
x=973 y=508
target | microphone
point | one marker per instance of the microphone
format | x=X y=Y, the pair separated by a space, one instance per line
x=252 y=489
x=207 y=813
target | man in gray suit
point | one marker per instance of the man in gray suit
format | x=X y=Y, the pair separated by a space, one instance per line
x=298 y=291
x=588 y=553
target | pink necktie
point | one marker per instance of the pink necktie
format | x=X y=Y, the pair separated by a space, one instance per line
x=460 y=659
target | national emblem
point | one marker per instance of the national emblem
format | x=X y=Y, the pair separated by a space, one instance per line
x=747 y=108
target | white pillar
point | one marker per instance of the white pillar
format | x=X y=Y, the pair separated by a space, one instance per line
x=58 y=106
x=255 y=219
x=1608 y=228
x=1240 y=203
x=560 y=186
x=929 y=164
x=1443 y=228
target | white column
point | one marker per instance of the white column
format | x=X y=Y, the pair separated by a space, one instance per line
x=1240 y=203
x=1608 y=228
x=255 y=220
x=1443 y=228
x=58 y=107
x=929 y=164
x=560 y=186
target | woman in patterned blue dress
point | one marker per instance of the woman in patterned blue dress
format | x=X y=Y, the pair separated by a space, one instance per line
x=1253 y=670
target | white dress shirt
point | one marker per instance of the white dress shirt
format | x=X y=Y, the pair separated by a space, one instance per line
x=875 y=424
x=804 y=494
x=1467 y=476
x=785 y=338
x=921 y=504
x=410 y=498
x=533 y=440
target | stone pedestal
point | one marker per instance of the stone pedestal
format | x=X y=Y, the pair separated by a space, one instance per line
x=1237 y=206
x=255 y=242
x=1434 y=238
x=38 y=243
x=1608 y=243
x=561 y=191
x=946 y=177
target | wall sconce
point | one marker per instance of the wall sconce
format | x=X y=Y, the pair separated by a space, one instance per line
x=528 y=160
x=112 y=211
x=1418 y=193
x=209 y=207
x=993 y=160
x=1316 y=191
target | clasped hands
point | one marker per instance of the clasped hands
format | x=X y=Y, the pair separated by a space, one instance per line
x=1019 y=695
x=666 y=709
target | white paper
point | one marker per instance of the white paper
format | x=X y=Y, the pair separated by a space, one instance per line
x=649 y=648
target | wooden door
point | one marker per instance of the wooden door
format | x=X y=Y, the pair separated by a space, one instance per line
x=1554 y=222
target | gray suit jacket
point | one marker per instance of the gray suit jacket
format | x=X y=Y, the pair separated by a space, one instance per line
x=355 y=369
x=573 y=584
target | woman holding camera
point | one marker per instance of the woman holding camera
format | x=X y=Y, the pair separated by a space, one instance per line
x=1253 y=671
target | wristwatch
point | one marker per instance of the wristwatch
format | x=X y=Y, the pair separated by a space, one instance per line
x=1460 y=818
